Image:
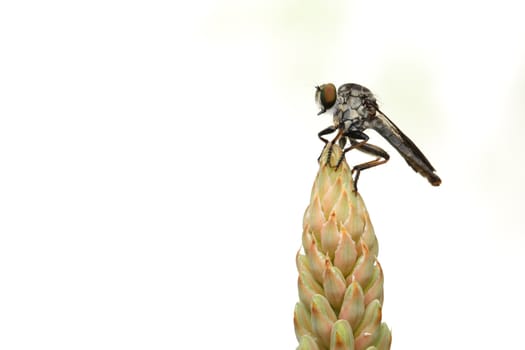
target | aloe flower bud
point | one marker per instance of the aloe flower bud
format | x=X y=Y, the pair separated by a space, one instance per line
x=340 y=280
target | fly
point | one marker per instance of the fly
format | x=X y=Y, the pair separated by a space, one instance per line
x=355 y=109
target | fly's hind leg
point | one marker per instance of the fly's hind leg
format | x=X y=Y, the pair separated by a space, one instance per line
x=352 y=135
x=382 y=158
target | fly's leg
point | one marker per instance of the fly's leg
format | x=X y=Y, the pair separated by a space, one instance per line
x=352 y=135
x=382 y=157
x=329 y=144
x=326 y=131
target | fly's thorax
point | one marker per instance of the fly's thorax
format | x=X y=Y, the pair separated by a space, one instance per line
x=363 y=105
x=344 y=115
x=355 y=102
x=356 y=97
x=339 y=112
x=354 y=90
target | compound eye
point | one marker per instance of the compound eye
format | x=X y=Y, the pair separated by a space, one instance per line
x=325 y=96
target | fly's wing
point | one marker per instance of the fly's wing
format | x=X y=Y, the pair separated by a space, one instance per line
x=413 y=156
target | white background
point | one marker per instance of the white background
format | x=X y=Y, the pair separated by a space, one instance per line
x=156 y=159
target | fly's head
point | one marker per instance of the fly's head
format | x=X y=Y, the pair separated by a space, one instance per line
x=325 y=97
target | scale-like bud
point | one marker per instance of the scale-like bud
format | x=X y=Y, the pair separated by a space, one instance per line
x=340 y=279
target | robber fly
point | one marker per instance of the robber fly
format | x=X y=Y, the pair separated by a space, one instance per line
x=355 y=109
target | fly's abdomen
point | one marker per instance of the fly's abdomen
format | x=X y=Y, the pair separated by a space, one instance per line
x=412 y=155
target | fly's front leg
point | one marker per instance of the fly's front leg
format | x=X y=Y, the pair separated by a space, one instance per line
x=382 y=157
x=327 y=131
